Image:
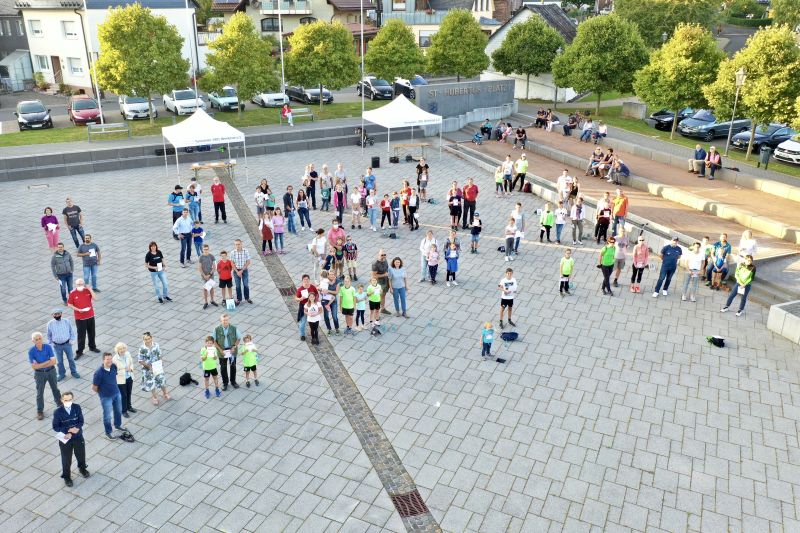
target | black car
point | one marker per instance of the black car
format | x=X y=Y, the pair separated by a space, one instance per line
x=375 y=88
x=31 y=114
x=664 y=117
x=308 y=95
x=771 y=135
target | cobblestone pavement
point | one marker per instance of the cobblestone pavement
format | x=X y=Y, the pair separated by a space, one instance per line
x=611 y=414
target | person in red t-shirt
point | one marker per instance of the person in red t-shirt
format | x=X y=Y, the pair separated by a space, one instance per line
x=225 y=270
x=470 y=198
x=80 y=301
x=301 y=297
x=386 y=210
x=405 y=192
x=218 y=196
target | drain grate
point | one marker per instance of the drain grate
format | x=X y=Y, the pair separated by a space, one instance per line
x=287 y=291
x=409 y=504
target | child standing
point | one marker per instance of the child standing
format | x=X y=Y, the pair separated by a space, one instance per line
x=374 y=295
x=452 y=264
x=209 y=358
x=395 y=209
x=433 y=262
x=565 y=270
x=313 y=310
x=355 y=206
x=277 y=230
x=561 y=221
x=197 y=237
x=487 y=338
x=386 y=210
x=546 y=220
x=498 y=181
x=338 y=252
x=361 y=306
x=249 y=359
x=347 y=301
x=225 y=270
x=269 y=202
x=351 y=257
x=266 y=233
x=475 y=233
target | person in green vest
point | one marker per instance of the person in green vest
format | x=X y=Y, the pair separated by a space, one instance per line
x=744 y=275
x=606 y=263
x=347 y=301
x=249 y=355
x=565 y=271
x=226 y=339
x=547 y=219
x=209 y=358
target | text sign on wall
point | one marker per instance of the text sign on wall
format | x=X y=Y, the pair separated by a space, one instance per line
x=453 y=99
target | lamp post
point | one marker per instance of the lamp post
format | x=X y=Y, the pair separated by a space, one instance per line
x=741 y=76
x=555 y=87
x=664 y=37
x=280 y=45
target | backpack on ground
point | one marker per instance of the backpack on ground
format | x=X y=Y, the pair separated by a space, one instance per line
x=186 y=378
x=127 y=436
x=719 y=342
x=509 y=336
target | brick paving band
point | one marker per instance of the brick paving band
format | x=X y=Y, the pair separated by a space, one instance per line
x=393 y=475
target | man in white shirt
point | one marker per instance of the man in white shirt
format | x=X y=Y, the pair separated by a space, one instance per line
x=424 y=248
x=508 y=174
x=317 y=248
x=508 y=290
x=564 y=186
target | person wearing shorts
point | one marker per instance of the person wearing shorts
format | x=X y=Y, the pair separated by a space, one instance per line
x=225 y=270
x=249 y=354
x=209 y=358
x=508 y=290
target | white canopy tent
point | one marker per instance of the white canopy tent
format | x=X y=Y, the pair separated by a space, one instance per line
x=198 y=130
x=400 y=113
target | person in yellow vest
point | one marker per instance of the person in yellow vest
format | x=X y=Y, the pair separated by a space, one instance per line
x=547 y=219
x=744 y=275
x=565 y=271
x=249 y=355
x=209 y=358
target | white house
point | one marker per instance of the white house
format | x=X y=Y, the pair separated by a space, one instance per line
x=541 y=87
x=62 y=34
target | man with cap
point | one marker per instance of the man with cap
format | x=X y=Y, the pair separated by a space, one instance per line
x=60 y=336
x=43 y=363
x=177 y=201
x=68 y=425
x=669 y=264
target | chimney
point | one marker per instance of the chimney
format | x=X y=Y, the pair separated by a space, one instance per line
x=502 y=10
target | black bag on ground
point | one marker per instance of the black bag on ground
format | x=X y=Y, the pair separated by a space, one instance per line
x=186 y=378
x=719 y=342
x=127 y=436
x=509 y=336
x=501 y=249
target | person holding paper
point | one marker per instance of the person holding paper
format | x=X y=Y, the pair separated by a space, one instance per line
x=154 y=261
x=73 y=219
x=81 y=302
x=183 y=228
x=225 y=269
x=104 y=383
x=68 y=425
x=205 y=265
x=153 y=376
x=43 y=363
x=176 y=201
x=301 y=297
x=62 y=266
x=50 y=227
x=226 y=339
x=124 y=362
x=454 y=197
x=90 y=253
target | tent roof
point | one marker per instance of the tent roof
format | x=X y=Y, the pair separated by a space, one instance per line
x=201 y=129
x=401 y=112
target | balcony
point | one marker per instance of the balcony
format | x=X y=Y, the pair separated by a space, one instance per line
x=415 y=17
x=205 y=37
x=273 y=7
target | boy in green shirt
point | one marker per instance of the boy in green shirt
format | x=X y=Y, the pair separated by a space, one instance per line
x=565 y=269
x=374 y=296
x=347 y=301
x=546 y=220
x=209 y=357
x=249 y=359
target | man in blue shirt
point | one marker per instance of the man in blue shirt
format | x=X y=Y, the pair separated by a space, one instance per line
x=669 y=264
x=68 y=421
x=726 y=247
x=698 y=160
x=369 y=180
x=183 y=228
x=104 y=383
x=177 y=201
x=60 y=336
x=43 y=362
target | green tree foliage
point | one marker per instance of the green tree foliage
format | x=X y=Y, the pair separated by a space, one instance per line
x=459 y=46
x=679 y=70
x=322 y=54
x=604 y=56
x=786 y=12
x=742 y=8
x=241 y=58
x=394 y=52
x=654 y=17
x=796 y=122
x=204 y=11
x=140 y=53
x=529 y=48
x=771 y=60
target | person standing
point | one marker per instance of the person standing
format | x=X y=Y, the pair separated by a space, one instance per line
x=124 y=363
x=620 y=210
x=183 y=228
x=339 y=202
x=424 y=249
x=311 y=189
x=508 y=291
x=154 y=262
x=372 y=209
x=606 y=262
x=301 y=296
x=198 y=189
x=302 y=210
x=50 y=226
x=745 y=274
x=152 y=364
x=520 y=171
x=218 y=197
x=470 y=193
x=454 y=197
x=423 y=171
x=43 y=363
x=726 y=248
x=60 y=336
x=578 y=215
x=68 y=425
x=205 y=265
x=73 y=219
x=336 y=232
x=641 y=258
x=698 y=161
x=289 y=209
x=413 y=206
x=398 y=284
x=510 y=235
x=90 y=253
x=317 y=247
x=669 y=264
x=694 y=265
x=81 y=301
x=621 y=252
x=62 y=266
x=176 y=200
x=747 y=245
x=508 y=171
x=564 y=187
x=226 y=339
x=241 y=273
x=380 y=271
x=104 y=383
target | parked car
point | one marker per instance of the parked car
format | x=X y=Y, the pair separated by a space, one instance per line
x=308 y=95
x=31 y=114
x=375 y=88
x=663 y=118
x=771 y=135
x=408 y=88
x=82 y=109
x=227 y=100
x=705 y=125
x=788 y=151
x=266 y=99
x=183 y=102
x=133 y=107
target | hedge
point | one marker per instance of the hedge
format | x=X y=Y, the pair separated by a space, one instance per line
x=749 y=23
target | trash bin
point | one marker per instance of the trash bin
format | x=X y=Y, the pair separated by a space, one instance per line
x=763 y=156
x=376 y=162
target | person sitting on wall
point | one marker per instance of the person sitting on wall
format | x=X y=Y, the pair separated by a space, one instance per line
x=520 y=137
x=572 y=123
x=486 y=129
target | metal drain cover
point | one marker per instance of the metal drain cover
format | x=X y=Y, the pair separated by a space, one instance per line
x=409 y=504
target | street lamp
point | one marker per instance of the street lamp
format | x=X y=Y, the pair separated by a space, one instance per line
x=555 y=92
x=664 y=37
x=741 y=76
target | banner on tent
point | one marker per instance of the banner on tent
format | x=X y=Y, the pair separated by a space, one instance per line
x=453 y=99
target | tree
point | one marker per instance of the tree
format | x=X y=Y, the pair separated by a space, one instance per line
x=140 y=53
x=529 y=48
x=796 y=122
x=241 y=58
x=394 y=52
x=604 y=56
x=771 y=60
x=679 y=70
x=656 y=17
x=786 y=12
x=204 y=11
x=322 y=53
x=459 y=46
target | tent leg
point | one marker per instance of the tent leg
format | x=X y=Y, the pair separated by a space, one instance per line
x=177 y=167
x=246 y=173
x=388 y=140
x=166 y=164
x=440 y=141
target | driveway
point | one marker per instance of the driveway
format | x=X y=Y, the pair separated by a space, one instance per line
x=737 y=37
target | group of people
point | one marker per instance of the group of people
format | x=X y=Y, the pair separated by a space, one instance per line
x=703 y=161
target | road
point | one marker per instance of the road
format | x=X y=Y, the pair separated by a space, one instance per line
x=737 y=37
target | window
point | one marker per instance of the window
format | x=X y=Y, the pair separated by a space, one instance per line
x=69 y=29
x=42 y=62
x=398 y=5
x=75 y=66
x=2 y=31
x=20 y=28
x=7 y=27
x=425 y=38
x=269 y=24
x=307 y=20
x=35 y=28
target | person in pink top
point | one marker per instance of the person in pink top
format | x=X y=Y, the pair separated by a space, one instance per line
x=278 y=222
x=339 y=202
x=218 y=196
x=641 y=258
x=336 y=232
x=50 y=227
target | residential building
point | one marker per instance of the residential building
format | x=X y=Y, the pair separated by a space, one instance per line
x=62 y=34
x=541 y=87
x=15 y=61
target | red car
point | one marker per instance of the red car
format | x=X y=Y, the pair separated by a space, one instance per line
x=83 y=110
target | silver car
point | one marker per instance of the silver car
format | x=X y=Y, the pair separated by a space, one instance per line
x=133 y=107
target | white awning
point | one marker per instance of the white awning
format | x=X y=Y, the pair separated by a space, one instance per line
x=400 y=113
x=200 y=129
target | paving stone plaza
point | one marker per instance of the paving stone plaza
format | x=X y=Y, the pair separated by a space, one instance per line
x=610 y=414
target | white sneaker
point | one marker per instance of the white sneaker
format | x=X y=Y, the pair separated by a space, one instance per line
x=663 y=293
x=739 y=313
x=455 y=283
x=683 y=298
x=506 y=258
x=448 y=283
x=692 y=299
x=574 y=243
x=580 y=243
x=723 y=310
x=374 y=228
x=511 y=258
x=655 y=294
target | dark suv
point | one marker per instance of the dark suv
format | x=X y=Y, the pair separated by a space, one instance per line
x=31 y=114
